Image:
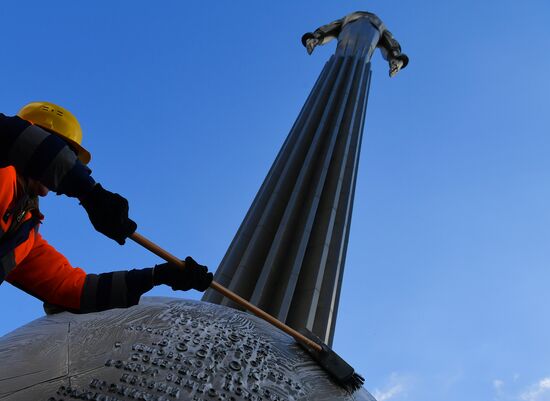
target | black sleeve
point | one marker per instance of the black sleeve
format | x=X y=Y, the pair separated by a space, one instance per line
x=36 y=153
x=120 y=289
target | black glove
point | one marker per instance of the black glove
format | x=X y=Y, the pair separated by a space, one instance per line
x=192 y=275
x=108 y=213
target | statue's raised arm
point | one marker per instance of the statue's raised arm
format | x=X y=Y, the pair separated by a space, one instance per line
x=388 y=45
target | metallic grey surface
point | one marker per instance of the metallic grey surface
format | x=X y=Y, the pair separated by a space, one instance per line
x=288 y=255
x=163 y=349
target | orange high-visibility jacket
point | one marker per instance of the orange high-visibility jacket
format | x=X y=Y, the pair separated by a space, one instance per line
x=29 y=262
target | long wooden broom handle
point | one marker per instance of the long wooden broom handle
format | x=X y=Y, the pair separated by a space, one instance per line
x=157 y=250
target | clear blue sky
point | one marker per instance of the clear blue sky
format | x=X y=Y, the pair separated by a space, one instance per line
x=184 y=106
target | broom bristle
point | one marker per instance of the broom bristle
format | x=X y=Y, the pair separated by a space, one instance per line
x=355 y=382
x=338 y=369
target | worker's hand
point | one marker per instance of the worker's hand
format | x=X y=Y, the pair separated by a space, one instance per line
x=108 y=213
x=192 y=275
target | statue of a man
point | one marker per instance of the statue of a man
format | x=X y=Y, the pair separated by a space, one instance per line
x=390 y=48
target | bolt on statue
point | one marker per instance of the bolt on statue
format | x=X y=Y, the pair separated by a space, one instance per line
x=389 y=46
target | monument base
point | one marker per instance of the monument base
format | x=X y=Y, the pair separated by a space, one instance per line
x=163 y=349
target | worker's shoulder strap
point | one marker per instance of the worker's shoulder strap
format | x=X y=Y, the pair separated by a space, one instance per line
x=9 y=243
x=19 y=206
x=20 y=225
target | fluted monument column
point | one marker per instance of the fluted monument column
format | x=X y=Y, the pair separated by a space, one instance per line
x=289 y=253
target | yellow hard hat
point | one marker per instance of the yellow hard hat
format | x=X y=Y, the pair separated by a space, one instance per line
x=59 y=121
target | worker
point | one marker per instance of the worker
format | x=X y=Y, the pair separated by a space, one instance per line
x=390 y=48
x=41 y=150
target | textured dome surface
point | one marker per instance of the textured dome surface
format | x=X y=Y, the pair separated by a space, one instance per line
x=161 y=350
